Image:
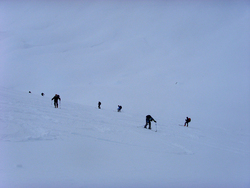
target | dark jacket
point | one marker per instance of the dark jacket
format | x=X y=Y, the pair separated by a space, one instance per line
x=149 y=118
x=56 y=98
x=188 y=119
x=119 y=108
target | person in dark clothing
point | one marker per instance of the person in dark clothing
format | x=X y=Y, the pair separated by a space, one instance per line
x=119 y=108
x=99 y=105
x=187 y=120
x=148 y=121
x=56 y=98
x=42 y=94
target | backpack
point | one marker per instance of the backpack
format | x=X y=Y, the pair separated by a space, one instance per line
x=189 y=119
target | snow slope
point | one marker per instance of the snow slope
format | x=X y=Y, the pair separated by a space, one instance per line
x=82 y=146
x=144 y=55
x=170 y=59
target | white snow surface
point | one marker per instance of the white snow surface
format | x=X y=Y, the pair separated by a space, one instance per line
x=169 y=59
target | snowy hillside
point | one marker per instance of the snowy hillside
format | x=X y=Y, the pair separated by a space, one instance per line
x=169 y=59
x=81 y=146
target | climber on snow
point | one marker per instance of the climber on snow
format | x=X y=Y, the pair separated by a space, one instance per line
x=56 y=98
x=148 y=121
x=187 y=120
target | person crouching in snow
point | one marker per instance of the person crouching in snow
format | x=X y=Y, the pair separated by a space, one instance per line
x=148 y=121
x=119 y=108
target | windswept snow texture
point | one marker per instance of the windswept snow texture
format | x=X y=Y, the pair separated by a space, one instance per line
x=169 y=59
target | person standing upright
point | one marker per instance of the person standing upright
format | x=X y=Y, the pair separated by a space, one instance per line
x=56 y=98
